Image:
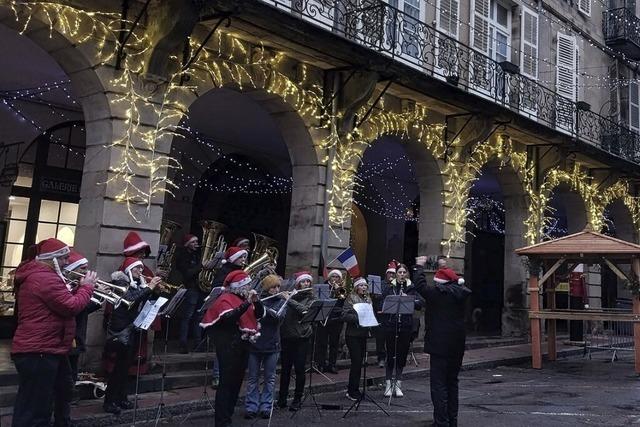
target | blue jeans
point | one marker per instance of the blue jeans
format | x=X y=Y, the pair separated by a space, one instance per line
x=254 y=400
x=193 y=300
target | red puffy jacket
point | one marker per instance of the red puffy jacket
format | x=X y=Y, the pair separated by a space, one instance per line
x=46 y=310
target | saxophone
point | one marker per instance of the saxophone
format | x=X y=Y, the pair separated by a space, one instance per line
x=167 y=249
x=213 y=244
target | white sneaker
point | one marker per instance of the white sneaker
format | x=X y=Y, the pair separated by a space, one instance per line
x=396 y=389
x=387 y=388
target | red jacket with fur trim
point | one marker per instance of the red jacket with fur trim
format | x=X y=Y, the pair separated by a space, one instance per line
x=46 y=310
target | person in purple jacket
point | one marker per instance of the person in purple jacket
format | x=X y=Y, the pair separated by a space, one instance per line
x=46 y=328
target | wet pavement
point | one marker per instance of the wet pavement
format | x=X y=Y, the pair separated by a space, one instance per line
x=570 y=392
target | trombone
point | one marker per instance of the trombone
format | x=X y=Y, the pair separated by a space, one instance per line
x=111 y=296
x=168 y=287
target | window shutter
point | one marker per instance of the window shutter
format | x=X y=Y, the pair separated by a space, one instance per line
x=480 y=32
x=584 y=6
x=448 y=17
x=529 y=49
x=634 y=106
x=566 y=67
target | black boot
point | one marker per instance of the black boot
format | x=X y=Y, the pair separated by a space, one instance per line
x=111 y=408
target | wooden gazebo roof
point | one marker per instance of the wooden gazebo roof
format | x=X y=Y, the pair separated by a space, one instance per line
x=585 y=244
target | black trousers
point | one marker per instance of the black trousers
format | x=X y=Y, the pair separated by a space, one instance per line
x=233 y=359
x=294 y=354
x=328 y=336
x=119 y=376
x=44 y=381
x=444 y=389
x=357 y=347
x=397 y=351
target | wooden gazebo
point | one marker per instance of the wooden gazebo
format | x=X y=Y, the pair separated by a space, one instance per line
x=585 y=247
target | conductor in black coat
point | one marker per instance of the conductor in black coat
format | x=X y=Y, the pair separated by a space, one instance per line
x=444 y=341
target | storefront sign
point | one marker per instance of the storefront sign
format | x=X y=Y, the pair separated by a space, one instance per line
x=59 y=186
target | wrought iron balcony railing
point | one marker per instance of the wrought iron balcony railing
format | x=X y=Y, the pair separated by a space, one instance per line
x=620 y=27
x=388 y=31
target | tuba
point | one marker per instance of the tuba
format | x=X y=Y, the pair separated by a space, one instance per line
x=263 y=256
x=166 y=249
x=212 y=243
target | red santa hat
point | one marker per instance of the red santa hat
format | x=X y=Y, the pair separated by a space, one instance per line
x=188 y=238
x=300 y=276
x=51 y=249
x=240 y=241
x=391 y=267
x=129 y=264
x=446 y=275
x=233 y=253
x=360 y=281
x=335 y=272
x=236 y=279
x=133 y=243
x=76 y=259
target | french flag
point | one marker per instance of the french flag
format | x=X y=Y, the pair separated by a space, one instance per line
x=349 y=261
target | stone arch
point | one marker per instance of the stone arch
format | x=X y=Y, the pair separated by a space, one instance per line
x=430 y=185
x=306 y=171
x=573 y=204
x=620 y=214
x=81 y=67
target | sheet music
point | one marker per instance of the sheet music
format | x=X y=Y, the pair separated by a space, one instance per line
x=375 y=283
x=148 y=313
x=366 y=317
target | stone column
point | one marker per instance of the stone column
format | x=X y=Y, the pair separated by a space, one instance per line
x=513 y=312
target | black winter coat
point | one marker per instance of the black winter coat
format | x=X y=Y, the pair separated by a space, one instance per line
x=445 y=331
x=388 y=321
x=226 y=268
x=81 y=328
x=188 y=265
x=123 y=316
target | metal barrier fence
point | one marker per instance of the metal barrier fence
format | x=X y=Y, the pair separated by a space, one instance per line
x=608 y=335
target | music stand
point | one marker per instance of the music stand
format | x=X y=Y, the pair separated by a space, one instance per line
x=319 y=311
x=142 y=323
x=168 y=311
x=322 y=291
x=397 y=305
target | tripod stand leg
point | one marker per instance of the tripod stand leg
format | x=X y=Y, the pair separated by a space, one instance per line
x=205 y=394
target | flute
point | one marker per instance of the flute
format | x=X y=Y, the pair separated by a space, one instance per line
x=284 y=292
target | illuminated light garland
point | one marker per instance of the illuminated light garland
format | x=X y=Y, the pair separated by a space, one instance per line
x=406 y=125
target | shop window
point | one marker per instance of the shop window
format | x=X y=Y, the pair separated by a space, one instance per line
x=17 y=223
x=57 y=219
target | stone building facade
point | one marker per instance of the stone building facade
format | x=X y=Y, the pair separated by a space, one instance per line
x=542 y=96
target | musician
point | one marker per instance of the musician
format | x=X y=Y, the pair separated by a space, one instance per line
x=264 y=352
x=242 y=243
x=189 y=266
x=79 y=264
x=329 y=334
x=234 y=259
x=377 y=301
x=444 y=340
x=44 y=335
x=355 y=336
x=134 y=246
x=397 y=331
x=233 y=319
x=122 y=337
x=295 y=340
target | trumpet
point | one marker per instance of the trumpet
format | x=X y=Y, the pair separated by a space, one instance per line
x=100 y=297
x=111 y=296
x=114 y=287
x=167 y=287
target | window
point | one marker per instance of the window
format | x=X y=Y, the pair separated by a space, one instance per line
x=408 y=38
x=584 y=6
x=57 y=219
x=447 y=19
x=529 y=44
x=17 y=225
x=566 y=81
x=634 y=106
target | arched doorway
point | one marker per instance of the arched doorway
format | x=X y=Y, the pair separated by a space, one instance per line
x=248 y=161
x=498 y=208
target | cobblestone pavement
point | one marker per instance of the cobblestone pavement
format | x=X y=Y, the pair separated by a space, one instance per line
x=570 y=392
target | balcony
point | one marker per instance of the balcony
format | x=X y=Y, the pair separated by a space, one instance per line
x=620 y=28
x=388 y=31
